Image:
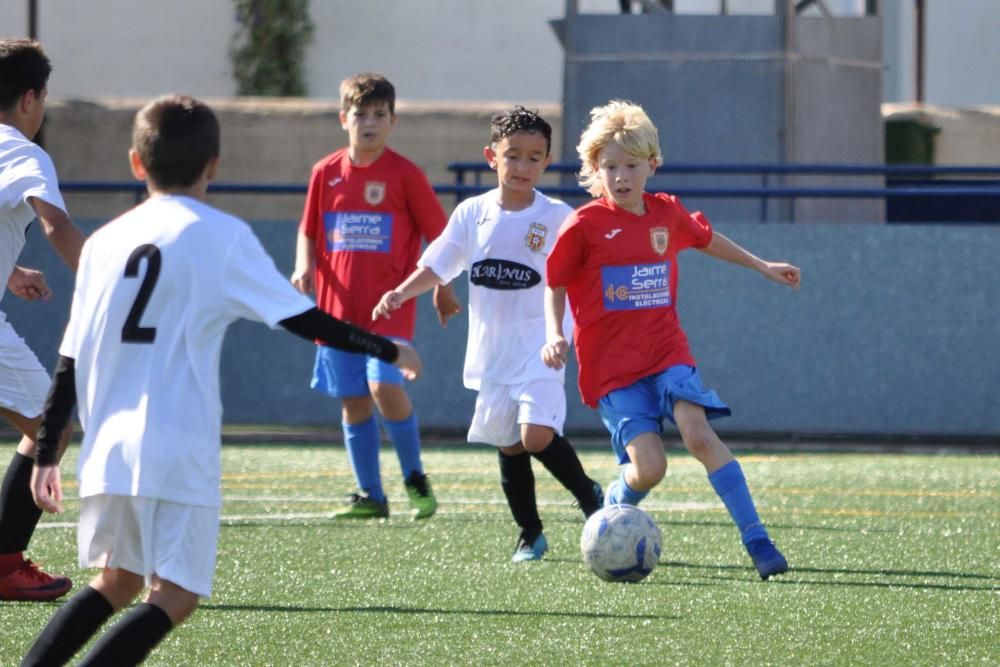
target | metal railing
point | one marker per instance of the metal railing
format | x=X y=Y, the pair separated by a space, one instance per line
x=902 y=181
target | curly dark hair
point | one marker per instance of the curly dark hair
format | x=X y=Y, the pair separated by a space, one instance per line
x=520 y=119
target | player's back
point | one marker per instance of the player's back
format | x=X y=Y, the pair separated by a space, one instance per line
x=155 y=291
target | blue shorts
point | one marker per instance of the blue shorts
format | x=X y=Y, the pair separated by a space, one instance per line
x=346 y=374
x=641 y=407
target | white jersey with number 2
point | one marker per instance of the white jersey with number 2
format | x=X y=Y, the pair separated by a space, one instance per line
x=155 y=291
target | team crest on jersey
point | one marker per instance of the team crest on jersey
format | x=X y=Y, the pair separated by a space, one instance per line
x=659 y=237
x=374 y=192
x=536 y=236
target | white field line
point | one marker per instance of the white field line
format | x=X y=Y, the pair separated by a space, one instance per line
x=448 y=506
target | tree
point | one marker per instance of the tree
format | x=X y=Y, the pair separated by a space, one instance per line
x=268 y=49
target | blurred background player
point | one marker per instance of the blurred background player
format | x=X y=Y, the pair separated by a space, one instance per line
x=29 y=189
x=502 y=238
x=366 y=211
x=616 y=258
x=156 y=290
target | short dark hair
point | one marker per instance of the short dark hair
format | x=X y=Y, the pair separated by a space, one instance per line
x=176 y=136
x=520 y=119
x=23 y=67
x=365 y=89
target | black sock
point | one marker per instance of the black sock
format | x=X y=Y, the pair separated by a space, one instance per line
x=69 y=629
x=131 y=639
x=518 y=483
x=18 y=512
x=560 y=459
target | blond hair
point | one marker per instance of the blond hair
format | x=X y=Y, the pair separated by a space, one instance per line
x=623 y=123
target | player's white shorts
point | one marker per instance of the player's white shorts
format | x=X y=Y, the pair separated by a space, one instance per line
x=502 y=408
x=146 y=536
x=24 y=383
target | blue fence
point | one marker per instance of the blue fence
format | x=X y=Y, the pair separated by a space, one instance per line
x=913 y=193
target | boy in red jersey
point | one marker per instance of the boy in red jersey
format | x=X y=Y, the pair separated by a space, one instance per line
x=366 y=212
x=616 y=260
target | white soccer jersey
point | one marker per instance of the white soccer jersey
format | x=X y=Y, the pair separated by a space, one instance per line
x=504 y=253
x=25 y=171
x=155 y=291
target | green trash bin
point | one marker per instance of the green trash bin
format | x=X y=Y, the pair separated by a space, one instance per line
x=909 y=141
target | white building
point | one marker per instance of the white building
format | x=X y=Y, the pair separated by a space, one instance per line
x=463 y=50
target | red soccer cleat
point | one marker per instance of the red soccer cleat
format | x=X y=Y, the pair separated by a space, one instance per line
x=29 y=583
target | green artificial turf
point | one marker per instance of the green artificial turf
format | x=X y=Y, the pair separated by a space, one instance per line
x=894 y=557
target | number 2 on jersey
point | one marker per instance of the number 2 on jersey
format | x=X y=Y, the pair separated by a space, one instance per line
x=132 y=332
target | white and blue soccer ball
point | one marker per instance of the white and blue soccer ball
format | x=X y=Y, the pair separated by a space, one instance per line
x=621 y=543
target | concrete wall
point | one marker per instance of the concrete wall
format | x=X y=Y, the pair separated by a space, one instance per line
x=894 y=332
x=726 y=89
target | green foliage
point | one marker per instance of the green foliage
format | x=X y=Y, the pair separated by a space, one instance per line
x=893 y=563
x=268 y=49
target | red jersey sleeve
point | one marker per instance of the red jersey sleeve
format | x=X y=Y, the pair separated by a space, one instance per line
x=692 y=230
x=423 y=205
x=567 y=255
x=311 y=213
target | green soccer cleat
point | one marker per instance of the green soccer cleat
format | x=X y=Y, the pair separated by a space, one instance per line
x=422 y=499
x=364 y=507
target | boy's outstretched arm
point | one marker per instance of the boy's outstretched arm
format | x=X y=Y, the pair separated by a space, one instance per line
x=65 y=237
x=314 y=324
x=556 y=349
x=305 y=264
x=418 y=282
x=780 y=272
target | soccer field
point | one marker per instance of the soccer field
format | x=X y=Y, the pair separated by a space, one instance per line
x=895 y=561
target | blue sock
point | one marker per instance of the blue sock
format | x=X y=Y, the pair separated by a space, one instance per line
x=362 y=441
x=405 y=436
x=622 y=493
x=729 y=482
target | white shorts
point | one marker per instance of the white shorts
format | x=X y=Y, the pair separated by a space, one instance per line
x=502 y=408
x=147 y=536
x=24 y=383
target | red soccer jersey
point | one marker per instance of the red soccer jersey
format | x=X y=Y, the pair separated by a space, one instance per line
x=620 y=273
x=367 y=224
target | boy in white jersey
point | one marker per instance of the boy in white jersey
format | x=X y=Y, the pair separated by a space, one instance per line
x=29 y=189
x=155 y=292
x=502 y=238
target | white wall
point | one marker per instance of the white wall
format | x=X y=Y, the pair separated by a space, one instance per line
x=469 y=50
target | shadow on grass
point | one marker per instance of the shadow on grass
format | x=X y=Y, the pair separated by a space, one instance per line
x=792 y=578
x=454 y=612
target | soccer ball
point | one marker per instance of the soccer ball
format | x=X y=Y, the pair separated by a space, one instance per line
x=621 y=543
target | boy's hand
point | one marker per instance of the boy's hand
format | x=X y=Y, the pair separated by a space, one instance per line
x=446 y=303
x=408 y=361
x=783 y=273
x=302 y=280
x=554 y=353
x=28 y=284
x=390 y=301
x=46 y=488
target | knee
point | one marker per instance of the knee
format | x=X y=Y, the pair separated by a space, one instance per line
x=648 y=473
x=701 y=441
x=175 y=601
x=536 y=442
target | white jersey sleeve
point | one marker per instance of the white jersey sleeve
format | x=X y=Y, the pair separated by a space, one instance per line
x=448 y=255
x=253 y=287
